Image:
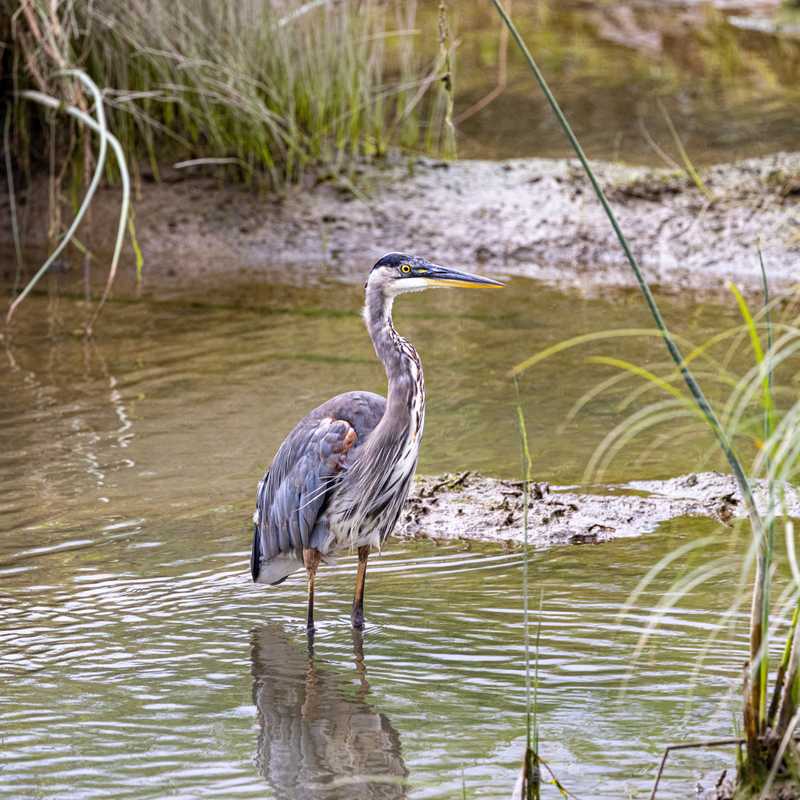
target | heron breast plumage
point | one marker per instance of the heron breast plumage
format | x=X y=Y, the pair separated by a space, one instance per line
x=376 y=484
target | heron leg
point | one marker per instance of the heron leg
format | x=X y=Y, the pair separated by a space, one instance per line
x=311 y=560
x=358 y=599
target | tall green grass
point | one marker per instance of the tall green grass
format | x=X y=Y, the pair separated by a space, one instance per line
x=769 y=727
x=755 y=363
x=262 y=90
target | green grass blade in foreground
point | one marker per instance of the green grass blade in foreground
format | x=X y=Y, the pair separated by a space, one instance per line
x=669 y=341
x=768 y=422
x=584 y=338
x=665 y=412
x=720 y=375
x=751 y=386
x=643 y=373
x=674 y=555
x=780 y=678
x=531 y=773
x=758 y=353
x=529 y=784
x=756 y=629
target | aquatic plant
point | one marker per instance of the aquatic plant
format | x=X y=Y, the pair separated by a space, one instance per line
x=768 y=727
x=530 y=779
x=97 y=124
x=760 y=415
x=529 y=782
x=261 y=92
x=266 y=90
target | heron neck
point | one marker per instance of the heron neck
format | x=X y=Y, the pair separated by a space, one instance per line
x=398 y=356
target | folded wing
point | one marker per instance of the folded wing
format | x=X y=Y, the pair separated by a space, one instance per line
x=294 y=493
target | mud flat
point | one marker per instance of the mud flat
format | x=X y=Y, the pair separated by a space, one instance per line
x=531 y=217
x=472 y=507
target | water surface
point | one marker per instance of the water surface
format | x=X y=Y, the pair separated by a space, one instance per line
x=138 y=660
x=726 y=74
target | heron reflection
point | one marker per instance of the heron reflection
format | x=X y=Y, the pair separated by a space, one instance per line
x=318 y=739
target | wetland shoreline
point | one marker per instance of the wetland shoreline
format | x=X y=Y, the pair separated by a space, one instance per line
x=530 y=217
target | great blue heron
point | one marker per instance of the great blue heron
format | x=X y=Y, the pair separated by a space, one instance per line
x=341 y=477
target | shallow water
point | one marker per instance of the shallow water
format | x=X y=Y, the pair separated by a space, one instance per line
x=726 y=75
x=137 y=659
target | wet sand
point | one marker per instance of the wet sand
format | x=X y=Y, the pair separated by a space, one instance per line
x=531 y=217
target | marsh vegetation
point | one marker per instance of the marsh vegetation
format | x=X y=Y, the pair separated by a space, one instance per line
x=770 y=716
x=126 y=454
x=262 y=91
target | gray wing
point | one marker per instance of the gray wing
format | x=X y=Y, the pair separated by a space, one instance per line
x=295 y=491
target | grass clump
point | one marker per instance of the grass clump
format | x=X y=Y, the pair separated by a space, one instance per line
x=754 y=364
x=262 y=90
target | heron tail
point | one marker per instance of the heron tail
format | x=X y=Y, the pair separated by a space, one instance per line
x=255 y=554
x=255 y=559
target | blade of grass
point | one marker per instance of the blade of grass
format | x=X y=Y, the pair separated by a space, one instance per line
x=616 y=440
x=531 y=777
x=584 y=338
x=758 y=352
x=700 y=398
x=52 y=102
x=100 y=126
x=750 y=386
x=645 y=374
x=768 y=414
x=786 y=738
x=780 y=678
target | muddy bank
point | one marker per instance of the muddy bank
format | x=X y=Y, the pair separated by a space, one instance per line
x=529 y=217
x=473 y=507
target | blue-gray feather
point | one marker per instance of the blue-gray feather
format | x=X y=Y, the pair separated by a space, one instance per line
x=306 y=470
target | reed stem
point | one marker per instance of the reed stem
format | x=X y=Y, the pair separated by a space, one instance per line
x=756 y=618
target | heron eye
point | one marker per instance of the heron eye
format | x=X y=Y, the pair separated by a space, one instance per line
x=405 y=268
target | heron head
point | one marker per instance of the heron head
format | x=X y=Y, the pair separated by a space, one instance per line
x=397 y=273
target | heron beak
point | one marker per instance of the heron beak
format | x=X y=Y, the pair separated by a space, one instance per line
x=442 y=276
